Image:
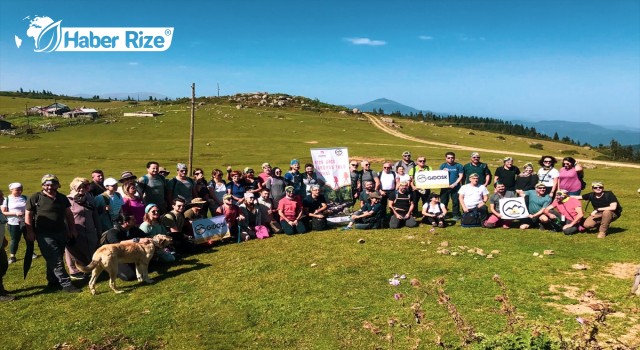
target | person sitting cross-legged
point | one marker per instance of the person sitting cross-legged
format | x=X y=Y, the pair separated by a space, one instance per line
x=537 y=200
x=370 y=216
x=290 y=210
x=433 y=211
x=315 y=206
x=568 y=210
x=402 y=208
x=496 y=219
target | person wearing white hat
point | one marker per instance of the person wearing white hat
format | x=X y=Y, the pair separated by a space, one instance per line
x=13 y=208
x=109 y=204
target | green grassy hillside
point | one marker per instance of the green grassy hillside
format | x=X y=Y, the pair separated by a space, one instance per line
x=321 y=290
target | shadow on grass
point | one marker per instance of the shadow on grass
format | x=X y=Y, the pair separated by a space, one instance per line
x=166 y=271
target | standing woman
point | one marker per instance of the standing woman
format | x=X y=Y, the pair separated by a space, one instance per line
x=526 y=180
x=85 y=217
x=570 y=176
x=236 y=187
x=217 y=190
x=276 y=185
x=13 y=208
x=202 y=189
x=548 y=174
x=133 y=204
x=251 y=183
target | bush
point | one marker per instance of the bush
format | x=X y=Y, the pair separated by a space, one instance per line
x=569 y=152
x=536 y=146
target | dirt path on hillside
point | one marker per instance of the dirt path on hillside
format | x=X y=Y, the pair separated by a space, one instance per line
x=394 y=132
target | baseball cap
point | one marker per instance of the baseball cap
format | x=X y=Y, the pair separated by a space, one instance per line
x=406 y=153
x=49 y=178
x=110 y=181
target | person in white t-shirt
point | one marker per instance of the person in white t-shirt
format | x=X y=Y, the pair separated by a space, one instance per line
x=387 y=185
x=474 y=196
x=548 y=175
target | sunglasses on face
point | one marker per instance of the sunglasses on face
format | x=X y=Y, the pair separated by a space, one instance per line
x=451 y=157
x=475 y=157
x=198 y=173
x=366 y=164
x=420 y=160
x=154 y=212
x=407 y=156
x=182 y=171
x=386 y=167
x=566 y=164
x=546 y=161
x=355 y=165
x=597 y=187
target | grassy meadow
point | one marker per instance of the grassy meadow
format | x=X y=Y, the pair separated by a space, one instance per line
x=322 y=290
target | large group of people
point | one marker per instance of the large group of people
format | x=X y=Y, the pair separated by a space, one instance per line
x=69 y=228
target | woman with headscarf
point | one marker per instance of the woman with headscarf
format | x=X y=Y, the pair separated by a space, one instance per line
x=548 y=175
x=570 y=177
x=276 y=185
x=85 y=217
x=527 y=179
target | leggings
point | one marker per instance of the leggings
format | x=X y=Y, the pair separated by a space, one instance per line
x=17 y=232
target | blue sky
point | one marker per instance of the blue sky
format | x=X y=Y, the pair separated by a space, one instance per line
x=537 y=60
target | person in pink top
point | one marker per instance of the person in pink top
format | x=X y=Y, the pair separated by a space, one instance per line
x=569 y=210
x=570 y=176
x=264 y=176
x=133 y=204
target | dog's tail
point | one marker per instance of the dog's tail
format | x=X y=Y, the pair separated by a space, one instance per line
x=88 y=268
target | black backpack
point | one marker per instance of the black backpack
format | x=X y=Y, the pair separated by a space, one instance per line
x=471 y=219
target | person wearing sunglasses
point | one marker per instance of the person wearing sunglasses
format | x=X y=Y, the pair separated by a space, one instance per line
x=419 y=194
x=387 y=188
x=569 y=212
x=548 y=174
x=475 y=166
x=606 y=208
x=570 y=177
x=506 y=175
x=152 y=226
x=406 y=162
x=369 y=175
x=182 y=185
x=356 y=180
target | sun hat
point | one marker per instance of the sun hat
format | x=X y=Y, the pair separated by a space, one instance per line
x=14 y=185
x=49 y=178
x=110 y=181
x=147 y=209
x=162 y=170
x=248 y=195
x=127 y=175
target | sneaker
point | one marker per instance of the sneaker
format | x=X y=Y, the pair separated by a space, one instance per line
x=434 y=224
x=602 y=234
x=34 y=256
x=456 y=218
x=345 y=228
x=440 y=224
x=71 y=289
x=77 y=276
x=12 y=260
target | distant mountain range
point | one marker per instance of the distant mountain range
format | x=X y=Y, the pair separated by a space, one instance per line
x=579 y=131
x=143 y=96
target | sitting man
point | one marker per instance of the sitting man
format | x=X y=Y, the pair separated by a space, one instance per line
x=174 y=220
x=494 y=207
x=402 y=208
x=537 y=200
x=568 y=210
x=369 y=216
x=606 y=209
x=290 y=211
x=252 y=218
x=268 y=212
x=473 y=197
x=315 y=206
x=369 y=188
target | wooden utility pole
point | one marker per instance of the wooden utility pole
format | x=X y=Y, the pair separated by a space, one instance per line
x=193 y=117
x=218 y=89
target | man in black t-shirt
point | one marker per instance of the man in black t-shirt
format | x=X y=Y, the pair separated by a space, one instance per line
x=606 y=209
x=402 y=208
x=45 y=218
x=315 y=206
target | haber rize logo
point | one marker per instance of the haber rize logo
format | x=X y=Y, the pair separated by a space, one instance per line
x=48 y=36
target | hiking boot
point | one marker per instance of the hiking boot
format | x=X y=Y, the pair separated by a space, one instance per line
x=440 y=224
x=77 y=276
x=12 y=260
x=71 y=289
x=434 y=224
x=53 y=286
x=455 y=218
x=602 y=234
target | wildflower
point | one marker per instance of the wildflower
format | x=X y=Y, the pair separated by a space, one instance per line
x=402 y=277
x=394 y=282
x=398 y=296
x=580 y=320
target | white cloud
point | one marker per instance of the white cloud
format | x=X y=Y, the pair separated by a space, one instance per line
x=425 y=37
x=133 y=63
x=365 y=41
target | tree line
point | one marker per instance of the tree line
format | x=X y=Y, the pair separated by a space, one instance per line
x=614 y=151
